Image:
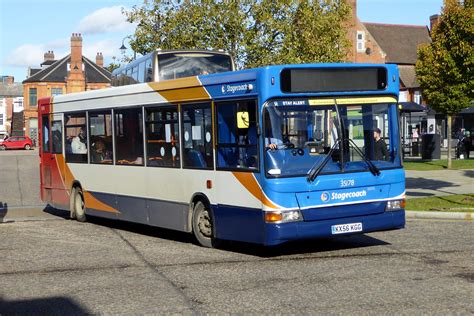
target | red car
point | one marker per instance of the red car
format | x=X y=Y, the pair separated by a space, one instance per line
x=16 y=142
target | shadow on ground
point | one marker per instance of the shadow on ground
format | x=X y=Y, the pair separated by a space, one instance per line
x=291 y=248
x=42 y=306
x=3 y=210
x=469 y=173
x=428 y=184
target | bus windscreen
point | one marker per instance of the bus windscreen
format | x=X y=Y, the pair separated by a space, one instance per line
x=298 y=80
x=178 y=65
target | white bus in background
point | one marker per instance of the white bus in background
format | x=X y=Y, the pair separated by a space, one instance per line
x=162 y=65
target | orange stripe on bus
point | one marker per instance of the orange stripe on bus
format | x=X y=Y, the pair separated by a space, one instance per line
x=89 y=199
x=175 y=84
x=92 y=202
x=248 y=180
x=183 y=89
x=65 y=173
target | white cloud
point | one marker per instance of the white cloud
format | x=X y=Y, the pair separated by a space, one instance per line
x=32 y=55
x=105 y=20
x=108 y=48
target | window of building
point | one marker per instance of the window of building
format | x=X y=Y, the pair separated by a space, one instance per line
x=100 y=137
x=237 y=139
x=1 y=119
x=197 y=136
x=57 y=137
x=33 y=96
x=129 y=137
x=45 y=134
x=360 y=41
x=76 y=137
x=56 y=91
x=403 y=96
x=162 y=137
x=417 y=97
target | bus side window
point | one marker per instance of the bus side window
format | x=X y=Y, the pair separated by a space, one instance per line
x=148 y=70
x=197 y=136
x=162 y=137
x=141 y=72
x=76 y=137
x=237 y=139
x=45 y=134
x=100 y=137
x=57 y=137
x=129 y=137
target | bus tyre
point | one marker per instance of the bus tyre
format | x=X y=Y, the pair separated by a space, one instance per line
x=27 y=147
x=72 y=198
x=203 y=225
x=79 y=206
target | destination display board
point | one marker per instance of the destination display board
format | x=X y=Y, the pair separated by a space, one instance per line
x=337 y=79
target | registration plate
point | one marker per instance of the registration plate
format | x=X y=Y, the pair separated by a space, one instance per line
x=346 y=228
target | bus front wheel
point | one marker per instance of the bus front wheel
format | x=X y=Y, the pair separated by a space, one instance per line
x=203 y=225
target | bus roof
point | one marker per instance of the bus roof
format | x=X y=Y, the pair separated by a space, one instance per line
x=264 y=81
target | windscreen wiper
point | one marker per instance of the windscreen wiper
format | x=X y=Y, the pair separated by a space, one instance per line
x=373 y=168
x=314 y=172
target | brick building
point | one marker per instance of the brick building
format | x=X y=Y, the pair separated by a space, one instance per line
x=72 y=73
x=389 y=44
x=11 y=100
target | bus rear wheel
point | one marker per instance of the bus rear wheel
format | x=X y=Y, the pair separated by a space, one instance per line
x=203 y=225
x=78 y=205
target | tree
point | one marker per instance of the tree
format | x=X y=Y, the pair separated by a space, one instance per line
x=445 y=67
x=255 y=32
x=113 y=64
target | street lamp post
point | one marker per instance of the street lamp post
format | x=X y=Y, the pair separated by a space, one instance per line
x=123 y=48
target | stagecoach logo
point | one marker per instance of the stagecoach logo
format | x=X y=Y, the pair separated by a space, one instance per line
x=325 y=196
x=235 y=88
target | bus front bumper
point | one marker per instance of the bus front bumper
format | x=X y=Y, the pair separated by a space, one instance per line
x=279 y=233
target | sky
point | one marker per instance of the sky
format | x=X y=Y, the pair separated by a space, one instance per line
x=29 y=28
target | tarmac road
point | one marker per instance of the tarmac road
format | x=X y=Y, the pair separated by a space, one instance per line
x=65 y=267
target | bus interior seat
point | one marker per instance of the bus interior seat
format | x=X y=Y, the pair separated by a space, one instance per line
x=195 y=159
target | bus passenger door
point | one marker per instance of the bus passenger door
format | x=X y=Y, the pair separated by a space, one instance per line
x=57 y=160
x=47 y=159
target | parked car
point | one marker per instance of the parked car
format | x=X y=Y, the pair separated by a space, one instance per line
x=16 y=142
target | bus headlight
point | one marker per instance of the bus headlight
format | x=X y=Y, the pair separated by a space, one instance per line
x=283 y=216
x=395 y=205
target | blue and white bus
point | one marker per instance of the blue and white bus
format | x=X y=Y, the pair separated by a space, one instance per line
x=265 y=155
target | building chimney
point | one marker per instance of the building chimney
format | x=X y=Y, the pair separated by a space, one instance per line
x=434 y=19
x=99 y=59
x=49 y=55
x=76 y=53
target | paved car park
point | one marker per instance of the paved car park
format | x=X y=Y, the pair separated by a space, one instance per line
x=64 y=267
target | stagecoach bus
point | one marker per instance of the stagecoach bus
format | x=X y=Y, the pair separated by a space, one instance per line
x=265 y=155
x=162 y=65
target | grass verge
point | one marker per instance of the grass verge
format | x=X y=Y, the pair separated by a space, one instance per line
x=448 y=203
x=438 y=164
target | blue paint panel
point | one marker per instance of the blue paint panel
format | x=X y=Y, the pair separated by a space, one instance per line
x=239 y=224
x=330 y=197
x=277 y=234
x=322 y=213
x=152 y=212
x=247 y=225
x=235 y=89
